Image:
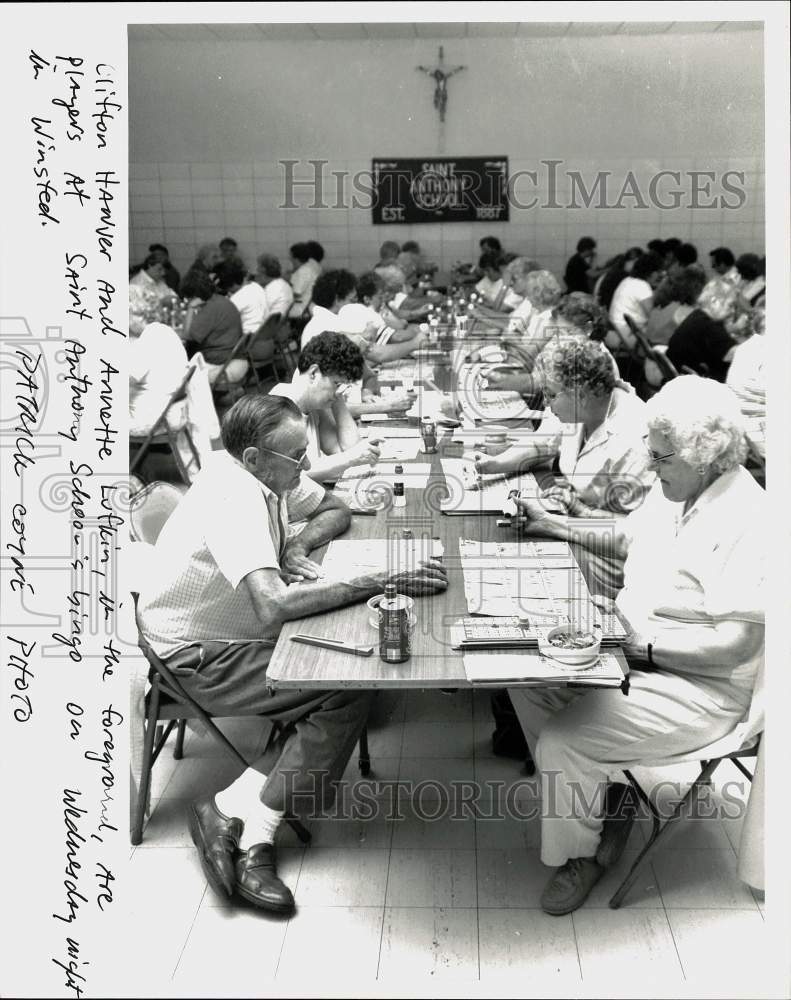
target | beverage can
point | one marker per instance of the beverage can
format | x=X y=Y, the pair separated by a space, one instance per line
x=394 y=638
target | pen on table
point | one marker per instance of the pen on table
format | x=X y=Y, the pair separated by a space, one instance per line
x=340 y=647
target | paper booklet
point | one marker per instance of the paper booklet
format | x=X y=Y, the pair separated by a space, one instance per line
x=531 y=669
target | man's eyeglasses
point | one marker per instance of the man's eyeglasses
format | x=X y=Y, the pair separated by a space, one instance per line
x=656 y=459
x=299 y=462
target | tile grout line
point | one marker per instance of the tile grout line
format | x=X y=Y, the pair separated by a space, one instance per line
x=675 y=944
x=389 y=858
x=189 y=932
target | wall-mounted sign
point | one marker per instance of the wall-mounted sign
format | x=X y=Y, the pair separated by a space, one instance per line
x=440 y=189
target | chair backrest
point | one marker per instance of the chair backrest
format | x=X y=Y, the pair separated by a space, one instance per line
x=240 y=349
x=176 y=396
x=149 y=510
x=640 y=338
x=269 y=327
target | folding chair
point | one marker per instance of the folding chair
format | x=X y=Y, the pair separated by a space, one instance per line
x=167 y=701
x=150 y=508
x=276 y=332
x=741 y=743
x=162 y=433
x=222 y=385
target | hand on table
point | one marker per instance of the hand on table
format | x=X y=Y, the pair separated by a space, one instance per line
x=427 y=578
x=397 y=402
x=484 y=463
x=364 y=451
x=559 y=498
x=496 y=378
x=534 y=513
x=295 y=565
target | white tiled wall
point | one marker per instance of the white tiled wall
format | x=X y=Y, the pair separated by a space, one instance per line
x=184 y=205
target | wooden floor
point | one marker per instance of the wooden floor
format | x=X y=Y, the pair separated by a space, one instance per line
x=399 y=903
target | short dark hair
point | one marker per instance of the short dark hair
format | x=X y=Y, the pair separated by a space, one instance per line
x=657 y=246
x=389 y=247
x=333 y=285
x=300 y=252
x=722 y=255
x=369 y=284
x=315 y=251
x=491 y=243
x=586 y=243
x=686 y=254
x=748 y=266
x=253 y=419
x=334 y=354
x=646 y=265
x=269 y=264
x=410 y=247
x=229 y=273
x=198 y=285
x=158 y=246
x=491 y=259
x=228 y=241
x=671 y=243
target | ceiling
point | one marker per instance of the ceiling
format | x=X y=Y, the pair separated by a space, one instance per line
x=411 y=29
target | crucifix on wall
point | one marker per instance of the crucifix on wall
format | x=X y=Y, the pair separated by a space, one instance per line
x=440 y=76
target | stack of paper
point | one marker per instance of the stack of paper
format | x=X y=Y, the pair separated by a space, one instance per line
x=538 y=581
x=531 y=669
x=487 y=494
x=371 y=555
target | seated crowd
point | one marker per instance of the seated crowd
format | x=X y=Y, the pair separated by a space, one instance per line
x=649 y=491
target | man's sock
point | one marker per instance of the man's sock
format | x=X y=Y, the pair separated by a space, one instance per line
x=260 y=826
x=241 y=797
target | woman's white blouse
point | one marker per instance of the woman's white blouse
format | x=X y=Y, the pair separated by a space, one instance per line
x=696 y=569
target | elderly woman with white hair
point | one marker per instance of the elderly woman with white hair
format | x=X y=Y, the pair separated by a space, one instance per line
x=694 y=576
x=706 y=339
x=594 y=426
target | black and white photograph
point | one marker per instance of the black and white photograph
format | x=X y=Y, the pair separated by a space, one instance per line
x=424 y=638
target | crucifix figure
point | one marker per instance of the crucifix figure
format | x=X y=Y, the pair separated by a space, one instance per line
x=441 y=76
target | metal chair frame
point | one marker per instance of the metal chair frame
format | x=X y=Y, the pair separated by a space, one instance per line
x=168 y=701
x=660 y=831
x=167 y=434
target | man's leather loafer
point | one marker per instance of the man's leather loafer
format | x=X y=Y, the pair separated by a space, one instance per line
x=217 y=839
x=257 y=880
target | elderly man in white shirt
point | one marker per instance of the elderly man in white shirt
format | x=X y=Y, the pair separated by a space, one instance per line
x=693 y=594
x=225 y=578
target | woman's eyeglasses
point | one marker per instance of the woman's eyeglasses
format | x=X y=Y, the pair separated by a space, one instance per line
x=656 y=459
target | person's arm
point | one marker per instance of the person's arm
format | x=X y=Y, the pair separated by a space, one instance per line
x=392 y=403
x=330 y=519
x=378 y=354
x=521 y=382
x=706 y=649
x=276 y=603
x=346 y=429
x=608 y=539
x=539 y=453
